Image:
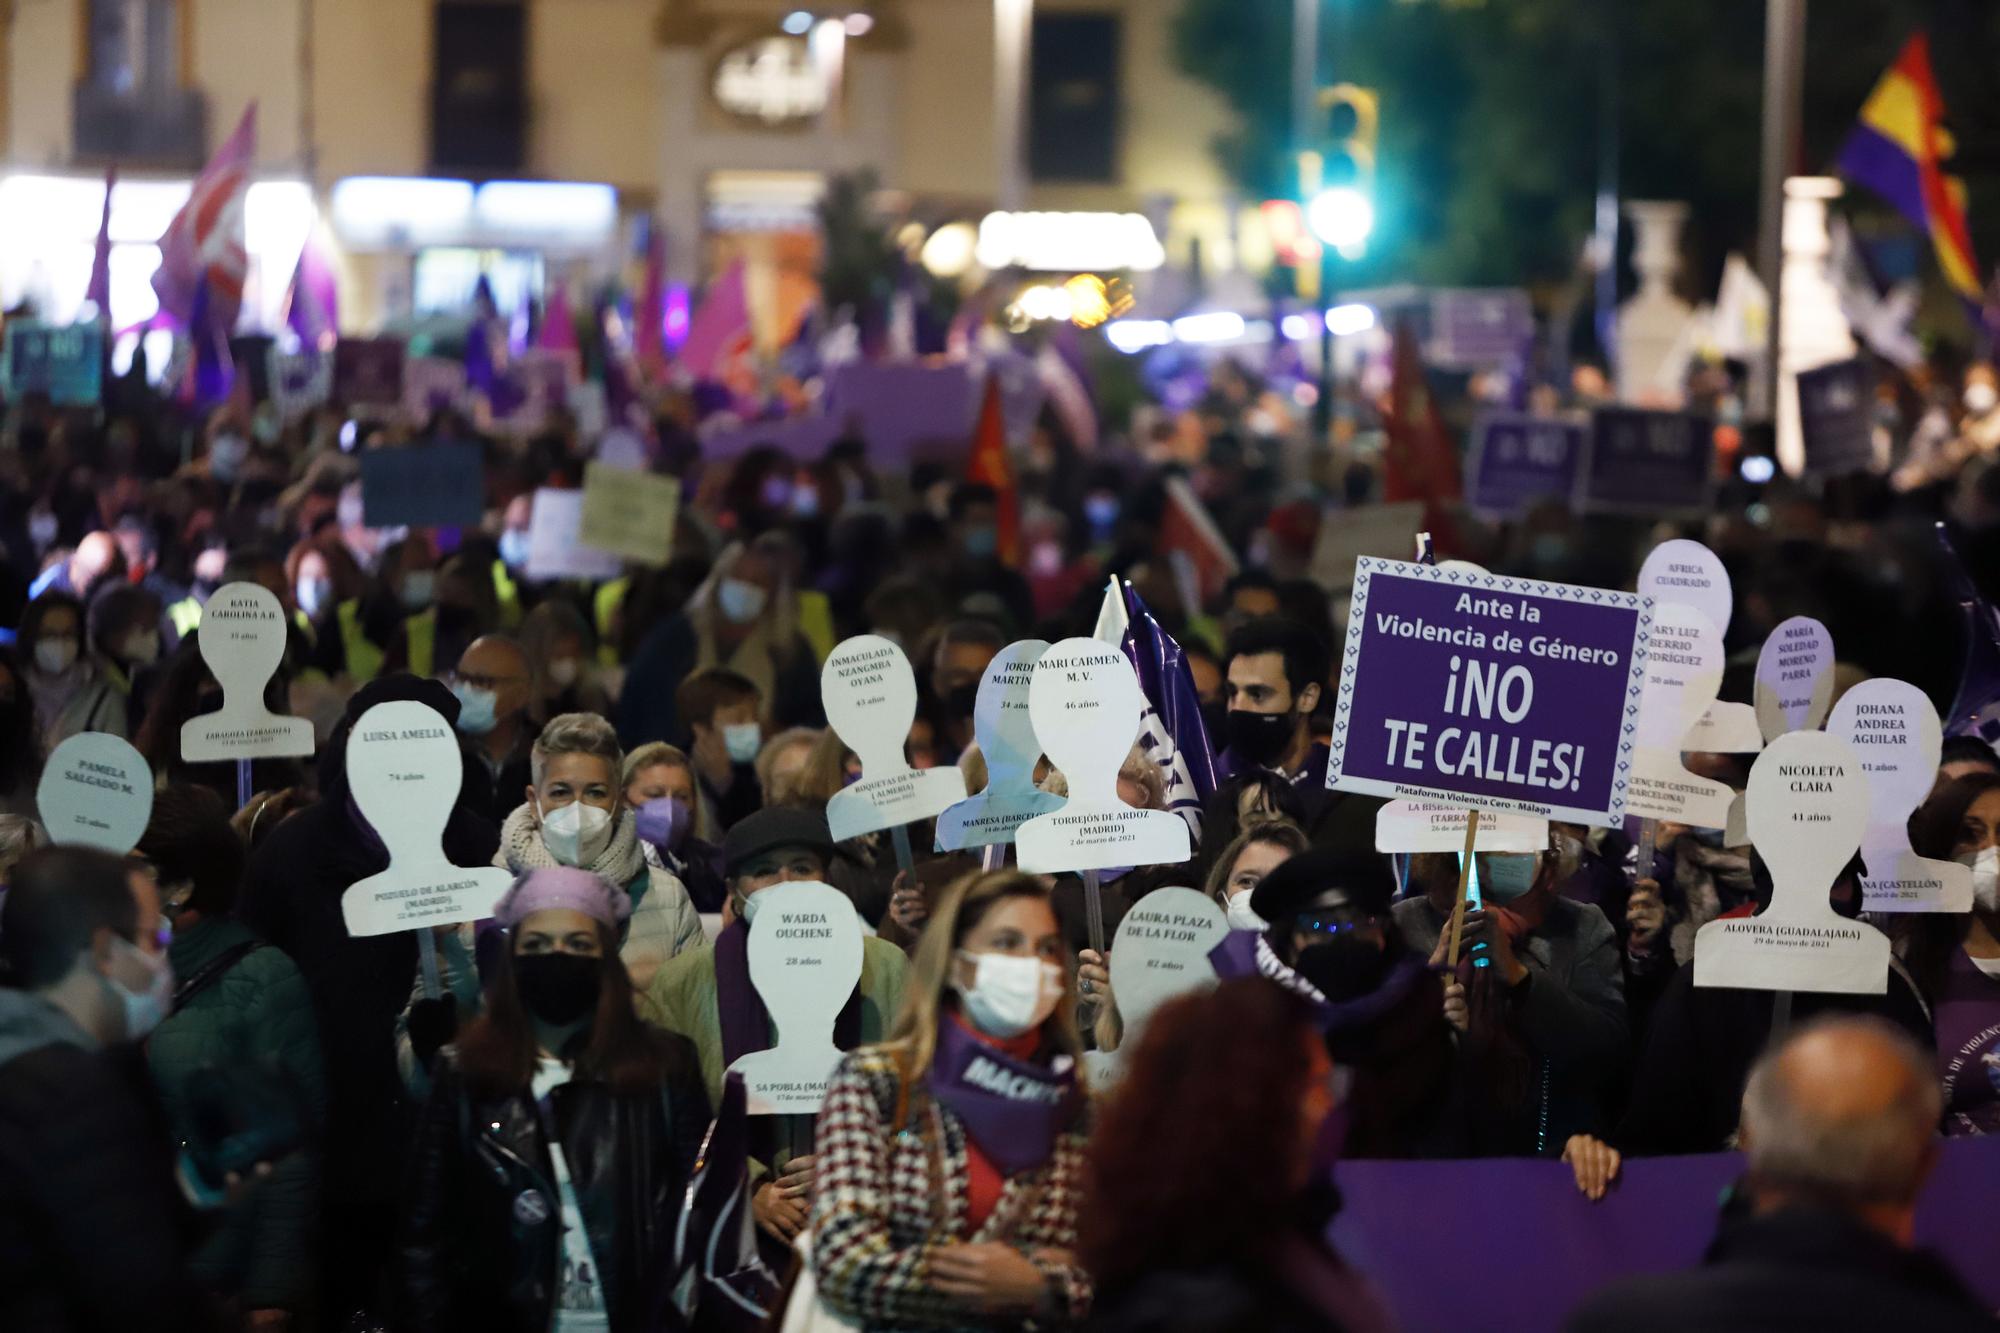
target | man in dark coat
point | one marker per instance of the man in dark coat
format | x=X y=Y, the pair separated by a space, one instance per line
x=1839 y=1126
x=291 y=897
x=90 y=1224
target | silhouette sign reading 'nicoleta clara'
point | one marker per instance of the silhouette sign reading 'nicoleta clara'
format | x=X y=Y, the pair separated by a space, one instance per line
x=242 y=639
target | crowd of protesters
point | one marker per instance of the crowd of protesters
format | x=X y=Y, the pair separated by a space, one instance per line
x=220 y=1110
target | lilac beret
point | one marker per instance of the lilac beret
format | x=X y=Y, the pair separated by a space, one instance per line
x=562 y=886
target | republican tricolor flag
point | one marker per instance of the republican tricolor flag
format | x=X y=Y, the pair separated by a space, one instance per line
x=204 y=245
x=1898 y=149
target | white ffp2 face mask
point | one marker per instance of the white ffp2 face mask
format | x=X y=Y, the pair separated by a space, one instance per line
x=576 y=834
x=1985 y=878
x=1237 y=910
x=146 y=1009
x=1009 y=994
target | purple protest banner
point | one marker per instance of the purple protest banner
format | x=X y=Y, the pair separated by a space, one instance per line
x=905 y=411
x=804 y=439
x=1473 y=328
x=1641 y=462
x=1512 y=695
x=1658 y=1218
x=1518 y=460
x=1837 y=417
x=368 y=371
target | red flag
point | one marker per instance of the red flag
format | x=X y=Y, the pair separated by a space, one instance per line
x=990 y=466
x=1193 y=546
x=1419 y=461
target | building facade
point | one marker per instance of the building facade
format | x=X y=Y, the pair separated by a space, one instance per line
x=408 y=127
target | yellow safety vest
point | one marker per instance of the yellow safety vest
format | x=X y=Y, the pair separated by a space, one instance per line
x=508 y=595
x=604 y=609
x=816 y=623
x=420 y=635
x=185 y=614
x=364 y=659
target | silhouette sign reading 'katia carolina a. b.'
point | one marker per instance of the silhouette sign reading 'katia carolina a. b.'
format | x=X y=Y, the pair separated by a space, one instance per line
x=404 y=771
x=1007 y=743
x=1807 y=805
x=96 y=791
x=1085 y=702
x=805 y=960
x=870 y=696
x=242 y=639
x=1895 y=731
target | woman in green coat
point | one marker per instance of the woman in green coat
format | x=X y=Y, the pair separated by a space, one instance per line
x=237 y=1066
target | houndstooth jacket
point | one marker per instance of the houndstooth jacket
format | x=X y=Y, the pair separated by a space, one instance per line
x=883 y=1202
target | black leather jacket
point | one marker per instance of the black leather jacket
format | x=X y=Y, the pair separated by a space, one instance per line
x=483 y=1224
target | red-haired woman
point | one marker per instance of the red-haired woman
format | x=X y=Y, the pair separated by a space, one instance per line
x=1210 y=1180
x=558 y=1138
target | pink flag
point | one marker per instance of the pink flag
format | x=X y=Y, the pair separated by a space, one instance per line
x=205 y=240
x=99 y=290
x=558 y=331
x=721 y=326
x=649 y=317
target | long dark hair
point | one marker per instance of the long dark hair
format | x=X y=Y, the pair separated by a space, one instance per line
x=497 y=1052
x=1198 y=1093
x=1934 y=936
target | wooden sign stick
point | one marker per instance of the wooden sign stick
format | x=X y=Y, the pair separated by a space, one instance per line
x=1464 y=877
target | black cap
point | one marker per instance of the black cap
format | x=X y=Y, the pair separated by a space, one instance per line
x=772 y=827
x=1298 y=883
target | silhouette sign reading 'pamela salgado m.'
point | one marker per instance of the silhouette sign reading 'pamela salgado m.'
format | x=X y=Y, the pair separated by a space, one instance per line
x=1895 y=731
x=96 y=791
x=404 y=771
x=1006 y=735
x=1807 y=805
x=1085 y=702
x=870 y=696
x=242 y=640
x=805 y=960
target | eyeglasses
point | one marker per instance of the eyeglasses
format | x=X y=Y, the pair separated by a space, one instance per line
x=479 y=682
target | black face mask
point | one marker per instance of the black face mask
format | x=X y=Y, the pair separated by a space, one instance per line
x=1258 y=738
x=1343 y=967
x=558 y=988
x=960 y=700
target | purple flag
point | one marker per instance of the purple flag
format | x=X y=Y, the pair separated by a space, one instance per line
x=1976 y=709
x=558 y=331
x=99 y=290
x=1172 y=732
x=312 y=306
x=214 y=372
x=716 y=1266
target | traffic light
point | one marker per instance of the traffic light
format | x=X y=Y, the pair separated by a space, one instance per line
x=1340 y=203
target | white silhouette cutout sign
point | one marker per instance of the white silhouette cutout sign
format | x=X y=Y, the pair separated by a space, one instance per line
x=96 y=791
x=1085 y=702
x=1688 y=572
x=1162 y=951
x=242 y=640
x=1794 y=677
x=1007 y=743
x=1807 y=804
x=805 y=961
x=1683 y=672
x=404 y=772
x=870 y=697
x=1895 y=731
x=1407 y=826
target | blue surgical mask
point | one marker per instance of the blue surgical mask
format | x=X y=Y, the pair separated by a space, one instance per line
x=1505 y=876
x=981 y=542
x=1101 y=510
x=478 y=709
x=226 y=456
x=417 y=589
x=514 y=548
x=742 y=740
x=740 y=602
x=314 y=596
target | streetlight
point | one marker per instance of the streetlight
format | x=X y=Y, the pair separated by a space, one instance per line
x=1341 y=217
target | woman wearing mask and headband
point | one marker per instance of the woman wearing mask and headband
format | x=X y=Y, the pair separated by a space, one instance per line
x=1955 y=957
x=745 y=618
x=1538 y=996
x=554 y=1150
x=575 y=815
x=951 y=1157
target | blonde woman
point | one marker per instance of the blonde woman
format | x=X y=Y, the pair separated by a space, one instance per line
x=951 y=1155
x=1253 y=854
x=673 y=825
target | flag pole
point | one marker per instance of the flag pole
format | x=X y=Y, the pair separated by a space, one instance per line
x=1464 y=878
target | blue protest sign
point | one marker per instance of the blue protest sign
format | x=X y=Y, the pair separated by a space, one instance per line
x=1639 y=461
x=431 y=485
x=1512 y=695
x=1518 y=460
x=64 y=362
x=1837 y=417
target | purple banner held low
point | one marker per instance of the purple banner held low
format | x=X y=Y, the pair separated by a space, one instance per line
x=1643 y=462
x=1513 y=695
x=368 y=371
x=905 y=411
x=1518 y=460
x=1837 y=417
x=1398 y=1218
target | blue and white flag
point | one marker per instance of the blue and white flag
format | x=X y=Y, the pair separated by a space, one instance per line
x=1172 y=732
